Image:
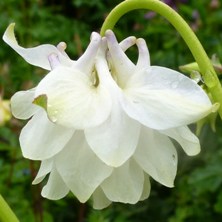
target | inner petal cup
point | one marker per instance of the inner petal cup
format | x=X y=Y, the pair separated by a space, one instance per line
x=72 y=100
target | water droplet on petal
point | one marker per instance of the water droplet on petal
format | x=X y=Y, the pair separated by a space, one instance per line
x=53 y=119
x=53 y=116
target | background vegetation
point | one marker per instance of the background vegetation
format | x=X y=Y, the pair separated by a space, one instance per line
x=197 y=195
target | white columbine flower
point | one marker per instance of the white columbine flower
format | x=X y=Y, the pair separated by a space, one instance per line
x=103 y=125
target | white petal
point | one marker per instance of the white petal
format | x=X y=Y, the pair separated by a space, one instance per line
x=157 y=156
x=124 y=45
x=115 y=141
x=122 y=66
x=100 y=201
x=55 y=188
x=125 y=183
x=127 y=43
x=45 y=168
x=121 y=62
x=81 y=170
x=72 y=99
x=22 y=106
x=37 y=56
x=189 y=142
x=102 y=68
x=144 y=56
x=161 y=98
x=86 y=62
x=146 y=187
x=54 y=61
x=41 y=139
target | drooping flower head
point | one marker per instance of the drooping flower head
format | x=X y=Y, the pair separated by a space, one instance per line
x=102 y=125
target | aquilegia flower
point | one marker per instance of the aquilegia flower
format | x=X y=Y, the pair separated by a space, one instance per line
x=101 y=125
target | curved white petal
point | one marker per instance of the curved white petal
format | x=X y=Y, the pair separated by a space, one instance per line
x=37 y=56
x=55 y=188
x=127 y=43
x=122 y=66
x=81 y=170
x=124 y=45
x=146 y=187
x=41 y=139
x=144 y=55
x=22 y=106
x=121 y=62
x=45 y=168
x=183 y=135
x=100 y=201
x=125 y=183
x=115 y=141
x=161 y=98
x=72 y=100
x=157 y=156
x=86 y=62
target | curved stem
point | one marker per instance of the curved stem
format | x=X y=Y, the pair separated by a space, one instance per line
x=6 y=214
x=209 y=75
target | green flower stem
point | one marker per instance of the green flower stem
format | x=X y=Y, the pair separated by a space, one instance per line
x=6 y=214
x=207 y=71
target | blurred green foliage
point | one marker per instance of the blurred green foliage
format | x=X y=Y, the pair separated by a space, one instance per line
x=197 y=195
